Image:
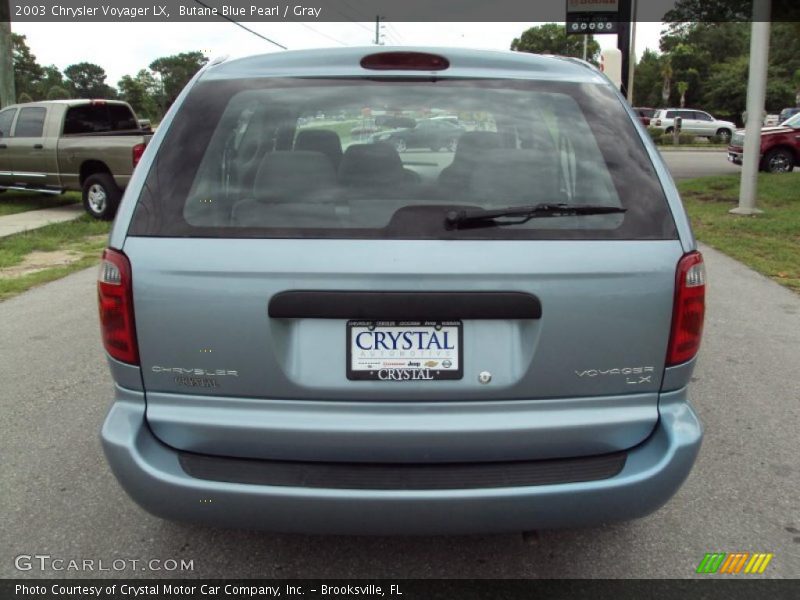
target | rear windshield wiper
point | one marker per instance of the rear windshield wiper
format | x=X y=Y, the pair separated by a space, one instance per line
x=488 y=218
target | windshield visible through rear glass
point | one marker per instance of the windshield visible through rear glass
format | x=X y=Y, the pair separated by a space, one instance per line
x=389 y=159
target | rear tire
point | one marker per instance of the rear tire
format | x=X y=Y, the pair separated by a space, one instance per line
x=778 y=160
x=399 y=145
x=101 y=196
x=668 y=130
x=724 y=135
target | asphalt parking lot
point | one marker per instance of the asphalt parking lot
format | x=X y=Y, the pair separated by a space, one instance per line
x=59 y=498
x=683 y=164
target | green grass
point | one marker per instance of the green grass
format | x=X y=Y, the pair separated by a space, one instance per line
x=79 y=237
x=342 y=128
x=17 y=202
x=768 y=243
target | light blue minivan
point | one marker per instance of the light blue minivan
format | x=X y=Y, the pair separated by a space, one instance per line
x=311 y=330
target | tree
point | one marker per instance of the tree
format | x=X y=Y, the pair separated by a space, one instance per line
x=51 y=78
x=726 y=89
x=57 y=93
x=682 y=87
x=666 y=77
x=24 y=98
x=175 y=72
x=142 y=93
x=647 y=91
x=552 y=38
x=27 y=72
x=88 y=80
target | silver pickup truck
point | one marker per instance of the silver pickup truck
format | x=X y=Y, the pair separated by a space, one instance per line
x=87 y=145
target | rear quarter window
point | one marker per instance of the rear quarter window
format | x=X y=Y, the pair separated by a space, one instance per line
x=30 y=122
x=368 y=159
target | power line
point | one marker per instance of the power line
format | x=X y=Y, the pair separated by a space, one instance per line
x=255 y=33
x=352 y=20
x=353 y=8
x=324 y=34
x=394 y=32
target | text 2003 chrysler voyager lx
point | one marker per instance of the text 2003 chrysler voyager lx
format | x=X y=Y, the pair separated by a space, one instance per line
x=310 y=331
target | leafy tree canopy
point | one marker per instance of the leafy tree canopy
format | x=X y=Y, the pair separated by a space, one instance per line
x=88 y=80
x=552 y=38
x=176 y=71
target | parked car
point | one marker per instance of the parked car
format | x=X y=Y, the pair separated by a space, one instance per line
x=696 y=122
x=780 y=147
x=645 y=115
x=87 y=145
x=435 y=134
x=394 y=121
x=787 y=113
x=501 y=343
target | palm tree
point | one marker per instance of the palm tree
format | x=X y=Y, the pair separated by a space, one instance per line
x=682 y=87
x=666 y=74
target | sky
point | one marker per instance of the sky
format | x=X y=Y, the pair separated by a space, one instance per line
x=125 y=48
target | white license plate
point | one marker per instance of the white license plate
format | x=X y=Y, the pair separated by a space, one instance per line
x=404 y=350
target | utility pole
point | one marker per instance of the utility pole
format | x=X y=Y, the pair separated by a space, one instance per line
x=632 y=66
x=624 y=44
x=7 y=93
x=378 y=26
x=756 y=94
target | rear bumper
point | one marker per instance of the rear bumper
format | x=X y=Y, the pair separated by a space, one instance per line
x=152 y=475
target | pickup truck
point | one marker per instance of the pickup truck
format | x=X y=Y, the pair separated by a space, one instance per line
x=87 y=145
x=780 y=147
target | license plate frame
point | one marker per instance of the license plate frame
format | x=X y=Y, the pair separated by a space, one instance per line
x=400 y=366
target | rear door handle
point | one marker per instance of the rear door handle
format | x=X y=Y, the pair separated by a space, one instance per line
x=37 y=146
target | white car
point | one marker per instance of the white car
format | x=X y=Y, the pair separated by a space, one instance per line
x=696 y=122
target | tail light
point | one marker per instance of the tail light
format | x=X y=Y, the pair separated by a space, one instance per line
x=405 y=61
x=688 y=310
x=136 y=153
x=115 y=297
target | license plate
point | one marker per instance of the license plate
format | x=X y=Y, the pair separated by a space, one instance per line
x=404 y=350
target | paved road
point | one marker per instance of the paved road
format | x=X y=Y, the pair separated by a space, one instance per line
x=59 y=498
x=686 y=164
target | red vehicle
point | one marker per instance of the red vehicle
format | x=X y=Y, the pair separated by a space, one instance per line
x=780 y=147
x=645 y=114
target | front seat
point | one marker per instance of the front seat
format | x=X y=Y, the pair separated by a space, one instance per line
x=470 y=151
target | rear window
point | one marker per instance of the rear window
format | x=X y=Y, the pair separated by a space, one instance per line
x=30 y=122
x=99 y=118
x=312 y=158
